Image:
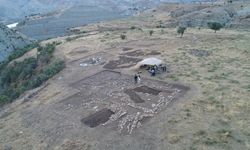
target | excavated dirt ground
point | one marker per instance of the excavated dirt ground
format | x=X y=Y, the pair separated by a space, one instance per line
x=123 y=62
x=109 y=92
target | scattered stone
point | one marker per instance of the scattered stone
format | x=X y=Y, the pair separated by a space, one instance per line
x=125 y=110
x=92 y=61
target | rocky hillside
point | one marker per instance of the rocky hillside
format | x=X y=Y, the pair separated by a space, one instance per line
x=11 y=40
x=234 y=15
x=18 y=9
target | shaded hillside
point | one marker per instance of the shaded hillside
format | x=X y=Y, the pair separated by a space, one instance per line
x=16 y=9
x=234 y=15
x=11 y=40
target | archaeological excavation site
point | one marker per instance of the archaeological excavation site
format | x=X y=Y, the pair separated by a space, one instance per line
x=129 y=75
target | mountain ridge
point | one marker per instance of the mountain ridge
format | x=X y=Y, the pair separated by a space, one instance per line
x=14 y=10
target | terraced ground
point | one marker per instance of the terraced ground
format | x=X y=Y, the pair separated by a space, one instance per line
x=212 y=115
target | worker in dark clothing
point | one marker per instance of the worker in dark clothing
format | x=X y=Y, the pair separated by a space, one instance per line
x=136 y=78
x=164 y=68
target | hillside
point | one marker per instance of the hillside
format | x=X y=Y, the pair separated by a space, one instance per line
x=14 y=10
x=50 y=25
x=18 y=9
x=234 y=15
x=200 y=103
x=11 y=40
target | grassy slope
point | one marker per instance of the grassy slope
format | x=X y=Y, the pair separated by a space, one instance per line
x=217 y=117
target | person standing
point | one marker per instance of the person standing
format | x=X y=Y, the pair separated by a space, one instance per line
x=164 y=68
x=153 y=72
x=136 y=78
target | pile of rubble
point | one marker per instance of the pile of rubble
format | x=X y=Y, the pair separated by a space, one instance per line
x=129 y=121
x=92 y=61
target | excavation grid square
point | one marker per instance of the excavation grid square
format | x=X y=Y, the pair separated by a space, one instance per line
x=114 y=99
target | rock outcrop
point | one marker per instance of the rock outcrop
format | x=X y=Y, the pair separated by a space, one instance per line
x=232 y=16
x=199 y=16
x=10 y=40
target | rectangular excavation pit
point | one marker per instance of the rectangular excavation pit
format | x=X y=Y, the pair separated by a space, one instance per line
x=133 y=96
x=98 y=118
x=98 y=79
x=123 y=62
x=146 y=89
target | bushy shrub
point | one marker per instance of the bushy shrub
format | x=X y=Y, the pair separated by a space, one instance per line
x=45 y=53
x=53 y=68
x=133 y=28
x=4 y=100
x=181 y=30
x=215 y=26
x=151 y=32
x=123 y=36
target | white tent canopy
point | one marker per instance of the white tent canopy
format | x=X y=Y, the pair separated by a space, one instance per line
x=150 y=61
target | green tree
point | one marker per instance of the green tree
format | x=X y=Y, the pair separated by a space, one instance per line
x=133 y=28
x=215 y=26
x=151 y=32
x=123 y=36
x=181 y=30
x=4 y=99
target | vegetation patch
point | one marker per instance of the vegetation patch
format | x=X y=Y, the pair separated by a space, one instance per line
x=151 y=32
x=216 y=26
x=123 y=36
x=30 y=73
x=18 y=53
x=181 y=30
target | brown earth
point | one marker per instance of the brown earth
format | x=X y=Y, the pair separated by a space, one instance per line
x=98 y=118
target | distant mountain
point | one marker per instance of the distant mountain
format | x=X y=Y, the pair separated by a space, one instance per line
x=15 y=10
x=11 y=40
